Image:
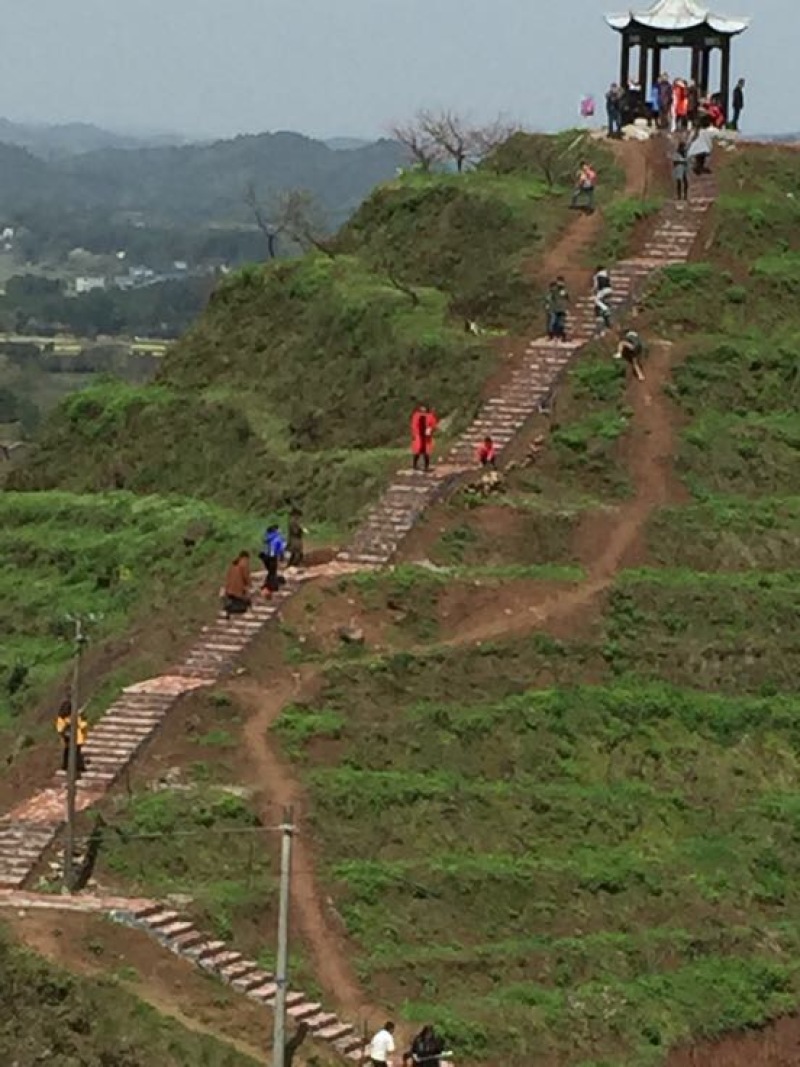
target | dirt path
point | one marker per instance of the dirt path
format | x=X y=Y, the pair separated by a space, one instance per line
x=651 y=451
x=320 y=925
x=568 y=258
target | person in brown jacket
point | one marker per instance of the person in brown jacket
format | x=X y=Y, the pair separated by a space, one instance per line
x=237 y=586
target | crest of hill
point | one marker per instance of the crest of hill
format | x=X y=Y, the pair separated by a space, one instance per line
x=297 y=381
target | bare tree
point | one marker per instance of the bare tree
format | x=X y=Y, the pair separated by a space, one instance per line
x=262 y=219
x=450 y=133
x=299 y=216
x=420 y=146
x=485 y=139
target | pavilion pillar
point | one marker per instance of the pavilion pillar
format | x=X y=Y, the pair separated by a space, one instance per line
x=697 y=58
x=644 y=55
x=625 y=62
x=705 y=72
x=725 y=81
x=656 y=66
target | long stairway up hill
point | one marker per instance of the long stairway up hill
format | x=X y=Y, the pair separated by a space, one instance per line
x=136 y=717
x=527 y=387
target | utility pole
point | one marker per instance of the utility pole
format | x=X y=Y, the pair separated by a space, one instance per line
x=282 y=964
x=72 y=758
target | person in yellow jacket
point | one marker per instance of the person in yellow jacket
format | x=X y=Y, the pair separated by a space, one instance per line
x=64 y=728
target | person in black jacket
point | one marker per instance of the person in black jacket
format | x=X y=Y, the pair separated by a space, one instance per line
x=738 y=103
x=426 y=1049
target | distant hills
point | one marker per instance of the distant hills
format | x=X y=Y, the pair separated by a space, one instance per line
x=81 y=186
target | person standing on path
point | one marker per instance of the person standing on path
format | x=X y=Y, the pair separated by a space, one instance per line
x=381 y=1048
x=423 y=426
x=602 y=293
x=585 y=187
x=295 y=541
x=557 y=305
x=271 y=555
x=614 y=110
x=64 y=729
x=631 y=350
x=738 y=103
x=680 y=171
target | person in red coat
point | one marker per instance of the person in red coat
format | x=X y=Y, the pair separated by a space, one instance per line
x=423 y=427
x=487 y=453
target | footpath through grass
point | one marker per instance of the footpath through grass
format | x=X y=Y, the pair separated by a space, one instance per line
x=584 y=850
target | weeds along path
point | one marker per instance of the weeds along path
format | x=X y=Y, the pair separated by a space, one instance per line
x=279 y=786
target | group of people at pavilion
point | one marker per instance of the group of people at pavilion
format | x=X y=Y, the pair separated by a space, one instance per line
x=673 y=104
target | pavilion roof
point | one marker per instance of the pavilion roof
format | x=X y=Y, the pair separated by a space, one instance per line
x=676 y=15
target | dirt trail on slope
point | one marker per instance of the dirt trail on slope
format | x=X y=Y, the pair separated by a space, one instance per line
x=320 y=925
x=567 y=258
x=650 y=463
x=651 y=443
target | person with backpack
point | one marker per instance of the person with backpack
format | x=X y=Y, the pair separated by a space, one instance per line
x=64 y=729
x=427 y=1049
x=631 y=350
x=602 y=293
x=585 y=186
x=271 y=555
x=236 y=593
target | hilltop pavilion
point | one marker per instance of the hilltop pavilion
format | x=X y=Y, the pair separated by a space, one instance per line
x=678 y=24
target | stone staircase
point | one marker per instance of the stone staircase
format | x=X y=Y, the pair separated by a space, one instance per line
x=135 y=718
x=528 y=387
x=179 y=935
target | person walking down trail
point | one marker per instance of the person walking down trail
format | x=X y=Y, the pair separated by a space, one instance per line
x=557 y=305
x=237 y=599
x=427 y=1048
x=602 y=293
x=295 y=542
x=271 y=555
x=487 y=453
x=64 y=729
x=680 y=171
x=585 y=187
x=381 y=1048
x=631 y=350
x=738 y=103
x=423 y=426
x=699 y=151
x=614 y=110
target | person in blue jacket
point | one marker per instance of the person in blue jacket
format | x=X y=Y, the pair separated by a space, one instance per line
x=271 y=555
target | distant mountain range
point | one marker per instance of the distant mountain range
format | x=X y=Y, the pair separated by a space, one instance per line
x=81 y=169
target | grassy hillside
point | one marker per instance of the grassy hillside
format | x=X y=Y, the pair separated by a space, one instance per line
x=52 y=1017
x=111 y=557
x=581 y=850
x=301 y=375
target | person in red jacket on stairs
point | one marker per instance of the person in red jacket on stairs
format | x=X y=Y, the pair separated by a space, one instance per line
x=423 y=426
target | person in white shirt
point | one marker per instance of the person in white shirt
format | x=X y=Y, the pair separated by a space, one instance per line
x=382 y=1046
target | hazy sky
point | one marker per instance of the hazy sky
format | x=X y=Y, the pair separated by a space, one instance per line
x=324 y=67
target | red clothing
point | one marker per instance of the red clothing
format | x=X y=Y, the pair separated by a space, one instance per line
x=717 y=115
x=486 y=454
x=423 y=427
x=680 y=95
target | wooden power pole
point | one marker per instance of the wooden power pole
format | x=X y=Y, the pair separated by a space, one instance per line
x=282 y=963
